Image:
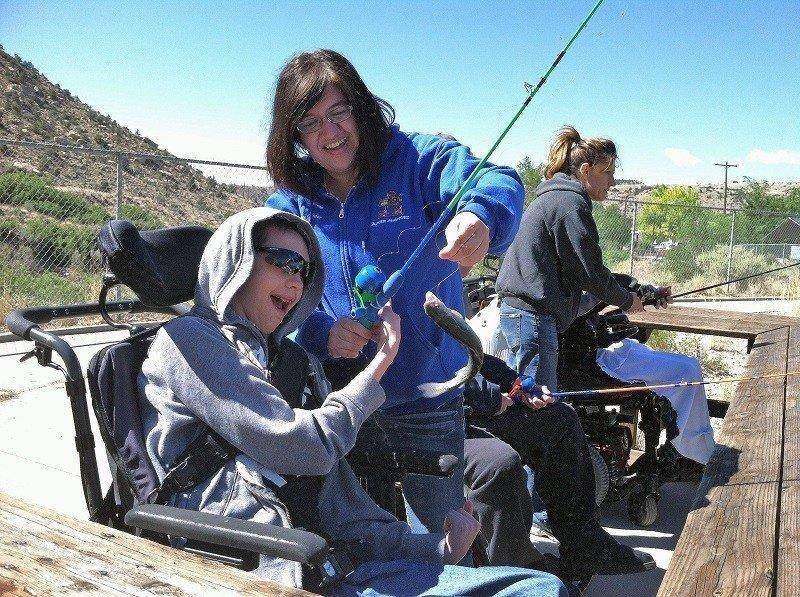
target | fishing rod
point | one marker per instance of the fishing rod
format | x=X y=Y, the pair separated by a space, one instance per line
x=526 y=384
x=372 y=289
x=777 y=269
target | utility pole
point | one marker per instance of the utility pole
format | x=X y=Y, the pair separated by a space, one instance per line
x=726 y=165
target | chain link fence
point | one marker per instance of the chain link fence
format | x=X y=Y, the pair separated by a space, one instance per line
x=690 y=246
x=55 y=198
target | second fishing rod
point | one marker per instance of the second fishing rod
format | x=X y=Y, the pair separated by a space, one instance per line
x=372 y=288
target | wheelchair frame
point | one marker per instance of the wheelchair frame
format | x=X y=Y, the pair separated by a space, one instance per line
x=230 y=541
x=639 y=482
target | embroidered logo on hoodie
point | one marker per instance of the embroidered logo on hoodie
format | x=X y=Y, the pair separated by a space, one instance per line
x=390 y=209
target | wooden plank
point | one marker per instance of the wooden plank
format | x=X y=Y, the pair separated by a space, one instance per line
x=791 y=457
x=708 y=321
x=44 y=552
x=788 y=568
x=749 y=443
x=788 y=573
x=727 y=545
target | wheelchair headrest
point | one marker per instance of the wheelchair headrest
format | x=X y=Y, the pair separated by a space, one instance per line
x=160 y=266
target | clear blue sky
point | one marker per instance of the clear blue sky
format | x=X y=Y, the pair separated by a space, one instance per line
x=678 y=85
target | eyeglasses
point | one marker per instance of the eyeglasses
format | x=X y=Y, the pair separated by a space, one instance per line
x=289 y=261
x=337 y=114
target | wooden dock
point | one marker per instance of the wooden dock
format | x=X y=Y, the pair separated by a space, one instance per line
x=742 y=535
x=43 y=552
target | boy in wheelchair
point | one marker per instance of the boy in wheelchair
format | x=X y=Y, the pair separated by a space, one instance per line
x=549 y=438
x=227 y=370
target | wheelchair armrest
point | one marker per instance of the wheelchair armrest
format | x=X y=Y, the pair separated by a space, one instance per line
x=420 y=462
x=296 y=545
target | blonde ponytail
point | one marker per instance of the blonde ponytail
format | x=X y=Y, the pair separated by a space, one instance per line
x=569 y=151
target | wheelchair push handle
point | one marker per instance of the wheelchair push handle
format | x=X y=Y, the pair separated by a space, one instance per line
x=22 y=321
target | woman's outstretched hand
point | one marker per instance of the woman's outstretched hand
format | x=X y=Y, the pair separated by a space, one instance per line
x=347 y=337
x=467 y=240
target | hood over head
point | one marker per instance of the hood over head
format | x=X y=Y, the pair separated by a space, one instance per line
x=227 y=263
x=560 y=182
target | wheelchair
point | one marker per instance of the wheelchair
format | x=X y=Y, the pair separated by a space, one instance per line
x=160 y=267
x=609 y=422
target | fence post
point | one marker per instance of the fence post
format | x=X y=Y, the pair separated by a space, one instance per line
x=119 y=186
x=118 y=216
x=730 y=245
x=633 y=236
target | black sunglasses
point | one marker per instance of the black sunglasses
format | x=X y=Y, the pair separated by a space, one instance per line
x=289 y=261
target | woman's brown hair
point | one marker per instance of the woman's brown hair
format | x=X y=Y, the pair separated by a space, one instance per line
x=301 y=84
x=569 y=151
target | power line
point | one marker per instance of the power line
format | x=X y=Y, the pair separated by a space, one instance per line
x=726 y=165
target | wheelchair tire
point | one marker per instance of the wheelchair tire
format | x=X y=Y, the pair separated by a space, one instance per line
x=642 y=508
x=602 y=477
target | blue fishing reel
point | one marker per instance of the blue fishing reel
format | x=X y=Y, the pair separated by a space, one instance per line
x=525 y=384
x=368 y=290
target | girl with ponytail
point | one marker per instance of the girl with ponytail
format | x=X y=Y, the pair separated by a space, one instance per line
x=556 y=256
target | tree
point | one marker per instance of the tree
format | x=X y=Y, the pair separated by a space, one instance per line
x=752 y=224
x=531 y=177
x=665 y=215
x=675 y=214
x=614 y=229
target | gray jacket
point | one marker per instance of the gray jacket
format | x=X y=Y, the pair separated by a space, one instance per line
x=556 y=255
x=210 y=369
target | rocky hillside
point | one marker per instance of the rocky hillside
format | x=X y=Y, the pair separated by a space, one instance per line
x=34 y=109
x=711 y=195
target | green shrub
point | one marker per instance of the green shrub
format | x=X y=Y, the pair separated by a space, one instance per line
x=614 y=229
x=744 y=262
x=54 y=244
x=142 y=218
x=21 y=287
x=38 y=194
x=9 y=230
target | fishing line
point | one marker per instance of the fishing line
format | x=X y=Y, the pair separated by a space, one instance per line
x=425 y=211
x=664 y=386
x=376 y=290
x=769 y=271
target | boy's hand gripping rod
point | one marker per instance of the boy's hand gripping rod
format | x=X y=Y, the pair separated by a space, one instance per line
x=372 y=289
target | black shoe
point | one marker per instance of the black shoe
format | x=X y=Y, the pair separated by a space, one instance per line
x=601 y=554
x=689 y=470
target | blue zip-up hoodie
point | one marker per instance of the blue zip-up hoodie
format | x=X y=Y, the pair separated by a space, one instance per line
x=382 y=225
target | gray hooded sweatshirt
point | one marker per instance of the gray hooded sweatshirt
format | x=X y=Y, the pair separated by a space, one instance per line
x=209 y=369
x=556 y=255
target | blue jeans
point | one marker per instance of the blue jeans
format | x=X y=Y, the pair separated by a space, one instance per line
x=532 y=340
x=402 y=577
x=428 y=499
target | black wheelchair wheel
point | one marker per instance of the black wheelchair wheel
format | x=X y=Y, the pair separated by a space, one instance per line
x=602 y=477
x=642 y=507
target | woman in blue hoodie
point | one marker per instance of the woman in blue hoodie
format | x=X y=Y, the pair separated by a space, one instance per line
x=371 y=192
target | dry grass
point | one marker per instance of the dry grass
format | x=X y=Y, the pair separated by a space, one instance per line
x=719 y=357
x=6 y=395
